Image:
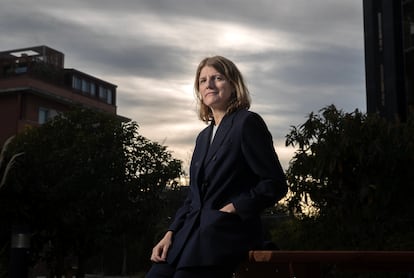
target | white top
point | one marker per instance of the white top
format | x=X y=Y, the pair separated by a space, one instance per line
x=213 y=133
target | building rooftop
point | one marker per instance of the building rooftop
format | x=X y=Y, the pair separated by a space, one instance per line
x=33 y=54
x=41 y=69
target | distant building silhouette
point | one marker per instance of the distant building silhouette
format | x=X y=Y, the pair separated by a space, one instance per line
x=35 y=86
x=389 y=57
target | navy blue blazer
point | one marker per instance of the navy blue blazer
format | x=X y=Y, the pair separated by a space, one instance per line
x=241 y=167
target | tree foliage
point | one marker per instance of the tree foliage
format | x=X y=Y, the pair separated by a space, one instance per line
x=355 y=171
x=85 y=177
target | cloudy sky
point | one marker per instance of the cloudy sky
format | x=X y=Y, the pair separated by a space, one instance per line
x=297 y=56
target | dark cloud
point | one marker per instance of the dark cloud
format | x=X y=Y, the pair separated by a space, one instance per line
x=154 y=110
x=333 y=66
x=142 y=60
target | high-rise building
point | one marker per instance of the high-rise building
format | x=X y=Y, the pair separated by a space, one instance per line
x=389 y=57
x=35 y=86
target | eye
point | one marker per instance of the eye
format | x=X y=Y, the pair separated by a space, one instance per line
x=201 y=81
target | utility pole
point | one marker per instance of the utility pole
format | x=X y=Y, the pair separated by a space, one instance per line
x=19 y=252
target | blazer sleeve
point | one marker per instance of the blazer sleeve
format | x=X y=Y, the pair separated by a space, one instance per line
x=257 y=148
x=180 y=215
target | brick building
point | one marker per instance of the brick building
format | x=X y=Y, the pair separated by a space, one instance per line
x=35 y=86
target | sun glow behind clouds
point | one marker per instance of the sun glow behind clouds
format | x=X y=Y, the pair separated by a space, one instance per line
x=246 y=38
x=188 y=32
x=192 y=34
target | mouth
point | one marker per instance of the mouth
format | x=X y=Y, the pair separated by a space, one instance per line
x=210 y=93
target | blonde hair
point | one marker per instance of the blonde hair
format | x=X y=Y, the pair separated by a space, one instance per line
x=241 y=97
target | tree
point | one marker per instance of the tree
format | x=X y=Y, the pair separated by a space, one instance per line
x=355 y=171
x=5 y=167
x=85 y=178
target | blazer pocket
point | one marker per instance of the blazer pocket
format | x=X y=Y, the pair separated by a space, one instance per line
x=222 y=234
x=213 y=221
x=228 y=214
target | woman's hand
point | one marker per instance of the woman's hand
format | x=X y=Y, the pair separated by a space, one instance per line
x=159 y=252
x=229 y=208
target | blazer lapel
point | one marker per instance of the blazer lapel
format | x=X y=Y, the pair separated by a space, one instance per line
x=221 y=133
x=202 y=149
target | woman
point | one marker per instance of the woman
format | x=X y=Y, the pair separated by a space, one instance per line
x=234 y=175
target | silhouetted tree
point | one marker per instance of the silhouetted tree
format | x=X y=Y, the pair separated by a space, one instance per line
x=85 y=178
x=355 y=172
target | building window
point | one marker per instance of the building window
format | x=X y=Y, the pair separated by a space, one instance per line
x=76 y=83
x=46 y=114
x=106 y=95
x=102 y=93
x=109 y=97
x=43 y=115
x=85 y=86
x=20 y=69
x=93 y=89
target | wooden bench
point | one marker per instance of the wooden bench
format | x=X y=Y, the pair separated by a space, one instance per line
x=301 y=264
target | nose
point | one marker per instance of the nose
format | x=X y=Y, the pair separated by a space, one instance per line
x=210 y=83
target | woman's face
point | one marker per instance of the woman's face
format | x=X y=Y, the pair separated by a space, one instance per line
x=214 y=88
